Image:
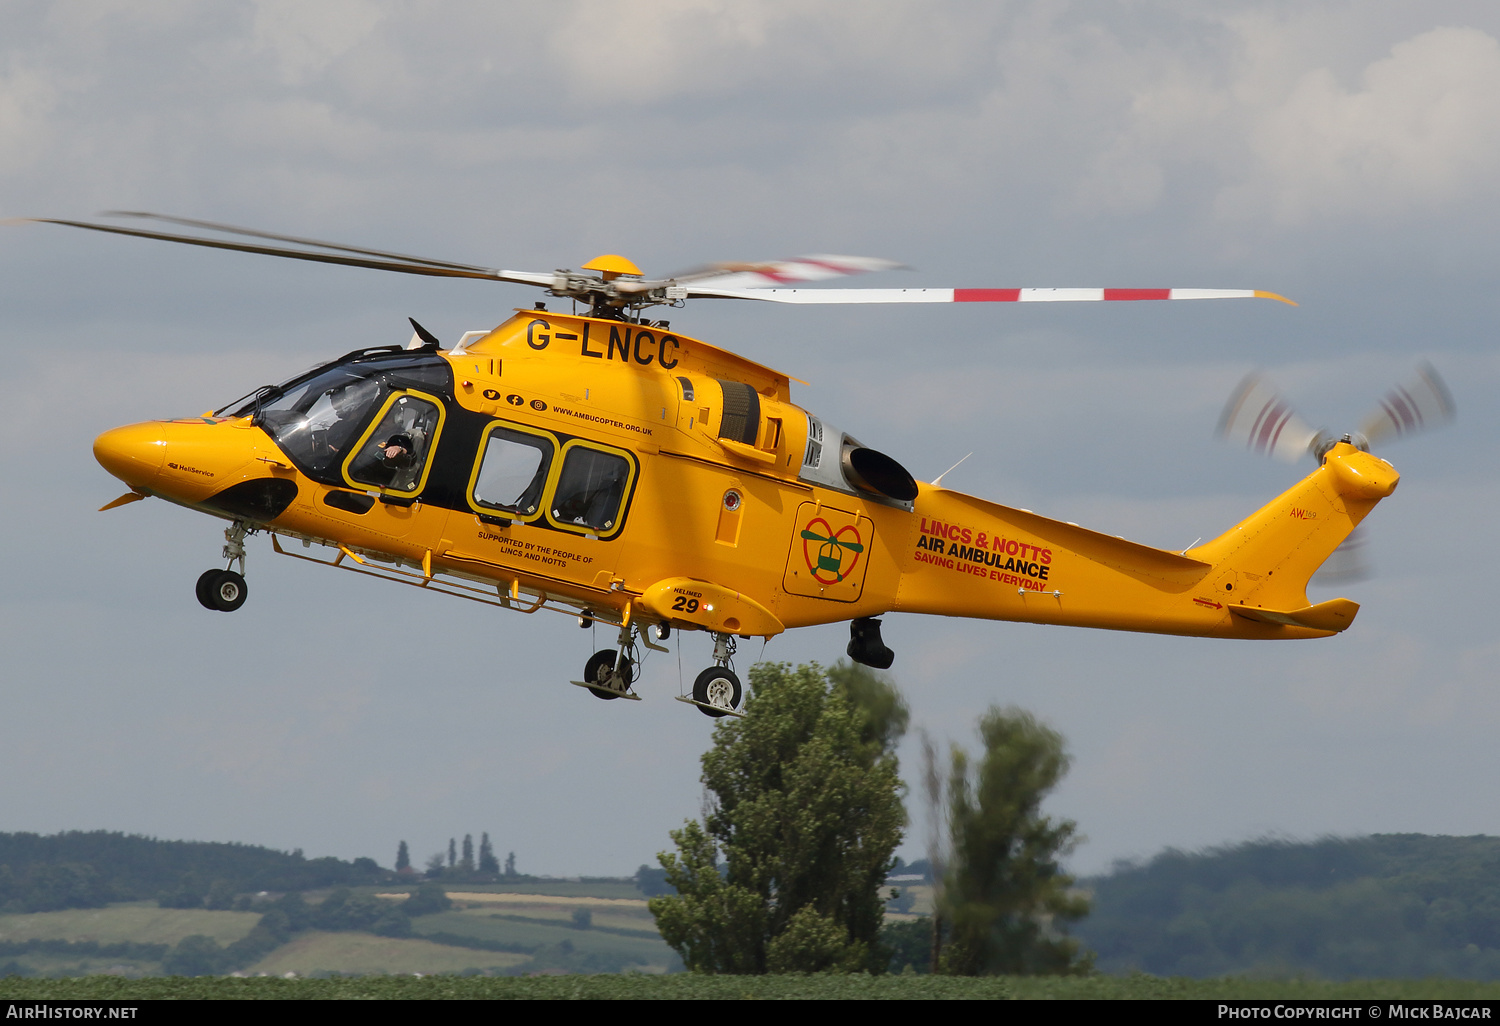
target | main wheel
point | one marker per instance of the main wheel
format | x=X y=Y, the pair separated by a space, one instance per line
x=205 y=587
x=598 y=669
x=719 y=687
x=227 y=591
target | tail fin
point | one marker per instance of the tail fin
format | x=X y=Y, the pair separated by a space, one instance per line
x=1262 y=564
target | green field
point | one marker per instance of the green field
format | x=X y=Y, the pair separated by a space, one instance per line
x=365 y=954
x=489 y=930
x=138 y=921
x=687 y=986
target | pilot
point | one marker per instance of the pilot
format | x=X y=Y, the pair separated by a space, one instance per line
x=397 y=452
x=397 y=456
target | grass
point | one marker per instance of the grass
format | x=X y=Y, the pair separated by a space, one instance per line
x=686 y=986
x=535 y=932
x=527 y=929
x=139 y=921
x=366 y=954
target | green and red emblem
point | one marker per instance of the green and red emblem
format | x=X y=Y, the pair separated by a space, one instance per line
x=831 y=555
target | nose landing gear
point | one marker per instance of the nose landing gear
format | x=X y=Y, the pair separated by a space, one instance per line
x=224 y=591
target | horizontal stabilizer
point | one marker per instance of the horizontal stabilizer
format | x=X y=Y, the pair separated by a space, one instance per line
x=1333 y=615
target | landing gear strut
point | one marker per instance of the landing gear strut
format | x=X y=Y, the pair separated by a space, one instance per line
x=865 y=645
x=225 y=591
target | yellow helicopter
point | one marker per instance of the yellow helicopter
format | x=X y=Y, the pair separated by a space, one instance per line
x=604 y=465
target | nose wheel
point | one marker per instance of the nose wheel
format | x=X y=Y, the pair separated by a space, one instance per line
x=224 y=591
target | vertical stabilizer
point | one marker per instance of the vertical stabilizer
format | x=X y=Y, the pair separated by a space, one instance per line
x=1265 y=561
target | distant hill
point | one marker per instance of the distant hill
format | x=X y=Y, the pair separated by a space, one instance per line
x=1388 y=905
x=87 y=869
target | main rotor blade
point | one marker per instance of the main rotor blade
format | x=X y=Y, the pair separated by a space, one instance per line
x=820 y=296
x=1422 y=403
x=254 y=233
x=1257 y=417
x=521 y=277
x=817 y=267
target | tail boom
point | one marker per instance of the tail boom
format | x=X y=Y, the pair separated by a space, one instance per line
x=974 y=558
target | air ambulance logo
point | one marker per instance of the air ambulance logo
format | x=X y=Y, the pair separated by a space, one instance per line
x=829 y=553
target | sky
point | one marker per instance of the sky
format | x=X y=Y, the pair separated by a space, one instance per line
x=1344 y=154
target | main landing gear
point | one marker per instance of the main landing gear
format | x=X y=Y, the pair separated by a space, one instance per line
x=717 y=691
x=225 y=591
x=609 y=672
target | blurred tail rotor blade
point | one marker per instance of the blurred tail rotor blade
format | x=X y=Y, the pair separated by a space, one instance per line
x=1257 y=417
x=1349 y=562
x=1423 y=402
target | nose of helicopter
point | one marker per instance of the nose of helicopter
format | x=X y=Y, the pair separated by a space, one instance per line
x=134 y=453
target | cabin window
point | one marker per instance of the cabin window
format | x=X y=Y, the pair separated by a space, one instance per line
x=591 y=489
x=512 y=471
x=393 y=455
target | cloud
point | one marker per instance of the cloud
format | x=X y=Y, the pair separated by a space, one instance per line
x=305 y=39
x=27 y=100
x=1421 y=130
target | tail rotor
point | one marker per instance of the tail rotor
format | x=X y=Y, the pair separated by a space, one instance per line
x=1260 y=419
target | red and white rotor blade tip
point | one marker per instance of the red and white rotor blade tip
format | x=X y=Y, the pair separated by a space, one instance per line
x=1257 y=417
x=718 y=289
x=1422 y=403
x=770 y=273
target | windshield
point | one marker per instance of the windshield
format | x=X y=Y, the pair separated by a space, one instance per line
x=317 y=418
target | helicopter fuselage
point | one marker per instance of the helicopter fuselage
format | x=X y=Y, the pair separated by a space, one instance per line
x=635 y=474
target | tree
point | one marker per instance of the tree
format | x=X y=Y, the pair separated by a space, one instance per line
x=403 y=859
x=651 y=881
x=1005 y=899
x=452 y=853
x=427 y=899
x=510 y=864
x=198 y=955
x=466 y=864
x=806 y=810
x=488 y=864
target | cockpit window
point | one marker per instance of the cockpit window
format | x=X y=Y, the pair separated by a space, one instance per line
x=318 y=417
x=394 y=456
